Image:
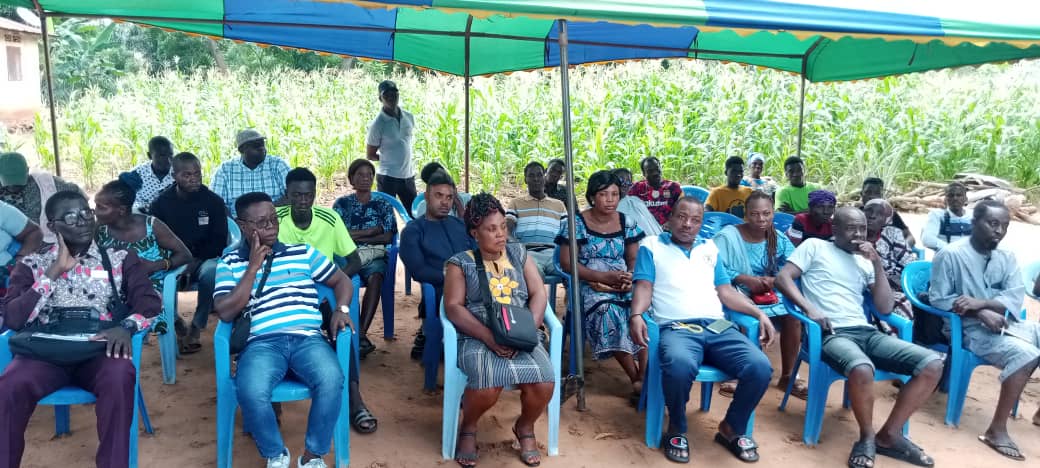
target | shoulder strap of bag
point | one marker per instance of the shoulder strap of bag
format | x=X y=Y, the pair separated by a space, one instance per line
x=482 y=279
x=263 y=276
x=944 y=226
x=107 y=265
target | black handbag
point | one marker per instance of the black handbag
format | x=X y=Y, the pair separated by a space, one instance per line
x=240 y=328
x=511 y=325
x=63 y=339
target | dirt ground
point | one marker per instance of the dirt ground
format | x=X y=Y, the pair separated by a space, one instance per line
x=610 y=433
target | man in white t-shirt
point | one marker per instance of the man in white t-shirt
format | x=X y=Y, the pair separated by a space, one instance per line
x=951 y=224
x=390 y=138
x=682 y=278
x=835 y=275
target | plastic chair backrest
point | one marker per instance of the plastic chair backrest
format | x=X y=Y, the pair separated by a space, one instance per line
x=405 y=215
x=916 y=276
x=714 y=221
x=694 y=191
x=421 y=197
x=1029 y=276
x=782 y=221
x=234 y=233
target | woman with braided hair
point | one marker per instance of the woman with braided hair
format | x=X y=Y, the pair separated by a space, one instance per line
x=753 y=253
x=513 y=279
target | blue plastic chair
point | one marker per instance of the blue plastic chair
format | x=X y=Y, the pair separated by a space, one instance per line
x=288 y=390
x=168 y=350
x=652 y=398
x=960 y=362
x=455 y=383
x=1029 y=275
x=72 y=395
x=782 y=221
x=390 y=282
x=433 y=348
x=821 y=375
x=419 y=198
x=234 y=233
x=572 y=359
x=694 y=191
x=714 y=221
x=919 y=252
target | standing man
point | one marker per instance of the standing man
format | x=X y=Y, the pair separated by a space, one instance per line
x=29 y=191
x=150 y=178
x=534 y=219
x=794 y=198
x=254 y=171
x=196 y=216
x=658 y=193
x=681 y=277
x=390 y=138
x=981 y=283
x=553 y=173
x=730 y=198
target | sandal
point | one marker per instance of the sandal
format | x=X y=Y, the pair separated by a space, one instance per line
x=862 y=450
x=907 y=451
x=1009 y=449
x=528 y=457
x=365 y=347
x=727 y=388
x=466 y=459
x=364 y=422
x=799 y=390
x=742 y=447
x=190 y=345
x=677 y=448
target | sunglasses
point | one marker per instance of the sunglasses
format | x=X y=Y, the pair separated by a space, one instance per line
x=71 y=218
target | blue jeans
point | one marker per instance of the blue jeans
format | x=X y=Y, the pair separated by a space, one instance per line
x=682 y=353
x=264 y=363
x=205 y=275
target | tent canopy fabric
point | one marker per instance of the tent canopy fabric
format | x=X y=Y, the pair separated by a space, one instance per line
x=827 y=40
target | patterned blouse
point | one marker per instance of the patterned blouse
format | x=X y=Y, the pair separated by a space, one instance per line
x=356 y=216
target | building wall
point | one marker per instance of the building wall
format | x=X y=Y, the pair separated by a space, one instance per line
x=20 y=100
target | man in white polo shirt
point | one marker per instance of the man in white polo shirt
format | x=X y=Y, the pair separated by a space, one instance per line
x=390 y=138
x=681 y=277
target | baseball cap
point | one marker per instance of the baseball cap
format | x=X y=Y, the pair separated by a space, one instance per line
x=246 y=136
x=13 y=169
x=387 y=85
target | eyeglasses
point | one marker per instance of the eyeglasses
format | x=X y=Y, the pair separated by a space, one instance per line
x=71 y=218
x=262 y=223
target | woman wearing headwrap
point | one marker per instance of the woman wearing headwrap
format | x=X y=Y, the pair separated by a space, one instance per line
x=816 y=223
x=754 y=179
x=890 y=244
x=513 y=279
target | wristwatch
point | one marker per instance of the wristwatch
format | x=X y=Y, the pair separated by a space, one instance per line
x=129 y=325
x=345 y=309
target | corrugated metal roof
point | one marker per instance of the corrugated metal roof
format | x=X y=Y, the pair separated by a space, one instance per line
x=10 y=25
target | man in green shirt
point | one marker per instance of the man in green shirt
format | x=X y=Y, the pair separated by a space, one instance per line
x=794 y=198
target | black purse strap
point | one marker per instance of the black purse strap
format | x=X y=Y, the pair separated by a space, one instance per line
x=484 y=287
x=106 y=263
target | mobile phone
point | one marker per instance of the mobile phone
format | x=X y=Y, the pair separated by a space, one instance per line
x=719 y=326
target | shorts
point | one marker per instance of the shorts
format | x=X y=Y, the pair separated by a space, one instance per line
x=1006 y=352
x=850 y=347
x=376 y=265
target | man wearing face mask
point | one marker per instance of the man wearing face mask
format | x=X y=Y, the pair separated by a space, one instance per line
x=254 y=171
x=389 y=141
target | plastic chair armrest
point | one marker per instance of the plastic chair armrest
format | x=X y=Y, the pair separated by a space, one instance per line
x=748 y=323
x=222 y=350
x=344 y=346
x=5 y=351
x=551 y=322
x=903 y=326
x=814 y=333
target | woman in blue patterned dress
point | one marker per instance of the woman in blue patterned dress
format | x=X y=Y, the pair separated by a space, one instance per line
x=513 y=279
x=607 y=247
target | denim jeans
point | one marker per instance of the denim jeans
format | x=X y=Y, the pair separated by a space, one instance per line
x=264 y=363
x=205 y=275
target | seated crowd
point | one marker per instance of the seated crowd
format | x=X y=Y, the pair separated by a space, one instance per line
x=641 y=257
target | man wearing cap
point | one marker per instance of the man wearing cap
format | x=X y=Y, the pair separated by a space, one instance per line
x=29 y=191
x=151 y=177
x=390 y=138
x=255 y=171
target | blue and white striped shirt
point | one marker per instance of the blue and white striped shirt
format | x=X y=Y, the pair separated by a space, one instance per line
x=289 y=301
x=234 y=179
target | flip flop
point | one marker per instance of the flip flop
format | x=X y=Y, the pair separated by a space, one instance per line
x=674 y=445
x=527 y=457
x=466 y=459
x=727 y=389
x=742 y=447
x=907 y=451
x=190 y=345
x=999 y=448
x=862 y=449
x=360 y=418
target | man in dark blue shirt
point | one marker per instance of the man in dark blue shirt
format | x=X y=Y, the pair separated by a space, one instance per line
x=197 y=216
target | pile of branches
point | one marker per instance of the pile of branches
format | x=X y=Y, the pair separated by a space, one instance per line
x=929 y=195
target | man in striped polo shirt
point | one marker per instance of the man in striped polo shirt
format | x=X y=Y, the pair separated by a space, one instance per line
x=276 y=282
x=534 y=219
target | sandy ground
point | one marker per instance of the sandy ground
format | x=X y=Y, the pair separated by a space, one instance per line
x=610 y=433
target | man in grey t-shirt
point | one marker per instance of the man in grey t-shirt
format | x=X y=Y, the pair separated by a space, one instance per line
x=390 y=138
x=835 y=277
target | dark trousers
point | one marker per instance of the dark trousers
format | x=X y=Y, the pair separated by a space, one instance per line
x=26 y=381
x=400 y=188
x=683 y=351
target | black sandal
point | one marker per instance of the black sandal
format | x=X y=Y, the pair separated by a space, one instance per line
x=362 y=417
x=528 y=457
x=862 y=449
x=466 y=459
x=742 y=447
x=907 y=451
x=365 y=347
x=1009 y=449
x=674 y=445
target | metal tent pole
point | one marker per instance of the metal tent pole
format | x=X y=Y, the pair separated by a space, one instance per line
x=575 y=295
x=466 y=78
x=801 y=115
x=50 y=86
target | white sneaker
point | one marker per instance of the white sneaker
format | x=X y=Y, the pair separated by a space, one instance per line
x=281 y=461
x=314 y=463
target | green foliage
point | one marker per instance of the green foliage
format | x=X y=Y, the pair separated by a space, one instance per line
x=691 y=114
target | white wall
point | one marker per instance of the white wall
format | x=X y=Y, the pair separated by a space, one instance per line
x=20 y=100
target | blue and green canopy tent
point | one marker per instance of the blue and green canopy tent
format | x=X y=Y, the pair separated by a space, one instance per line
x=821 y=40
